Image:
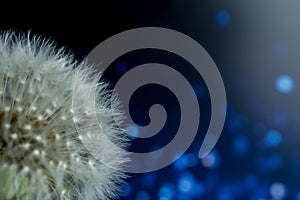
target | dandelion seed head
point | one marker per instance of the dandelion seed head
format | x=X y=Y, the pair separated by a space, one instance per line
x=42 y=154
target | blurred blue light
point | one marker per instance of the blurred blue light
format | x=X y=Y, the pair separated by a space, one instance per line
x=166 y=192
x=223 y=18
x=298 y=196
x=284 y=84
x=211 y=160
x=142 y=196
x=273 y=138
x=186 y=183
x=121 y=67
x=187 y=160
x=164 y=198
x=277 y=191
x=241 y=145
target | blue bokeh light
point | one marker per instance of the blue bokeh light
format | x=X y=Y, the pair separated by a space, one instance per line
x=166 y=192
x=273 y=138
x=188 y=187
x=277 y=190
x=211 y=160
x=223 y=18
x=186 y=184
x=284 y=84
x=298 y=196
x=186 y=160
x=241 y=145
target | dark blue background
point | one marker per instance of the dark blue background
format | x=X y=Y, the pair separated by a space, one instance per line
x=256 y=46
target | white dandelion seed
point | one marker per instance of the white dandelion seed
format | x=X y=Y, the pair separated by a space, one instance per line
x=41 y=154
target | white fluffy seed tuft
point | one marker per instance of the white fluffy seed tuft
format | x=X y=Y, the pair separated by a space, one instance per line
x=42 y=154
